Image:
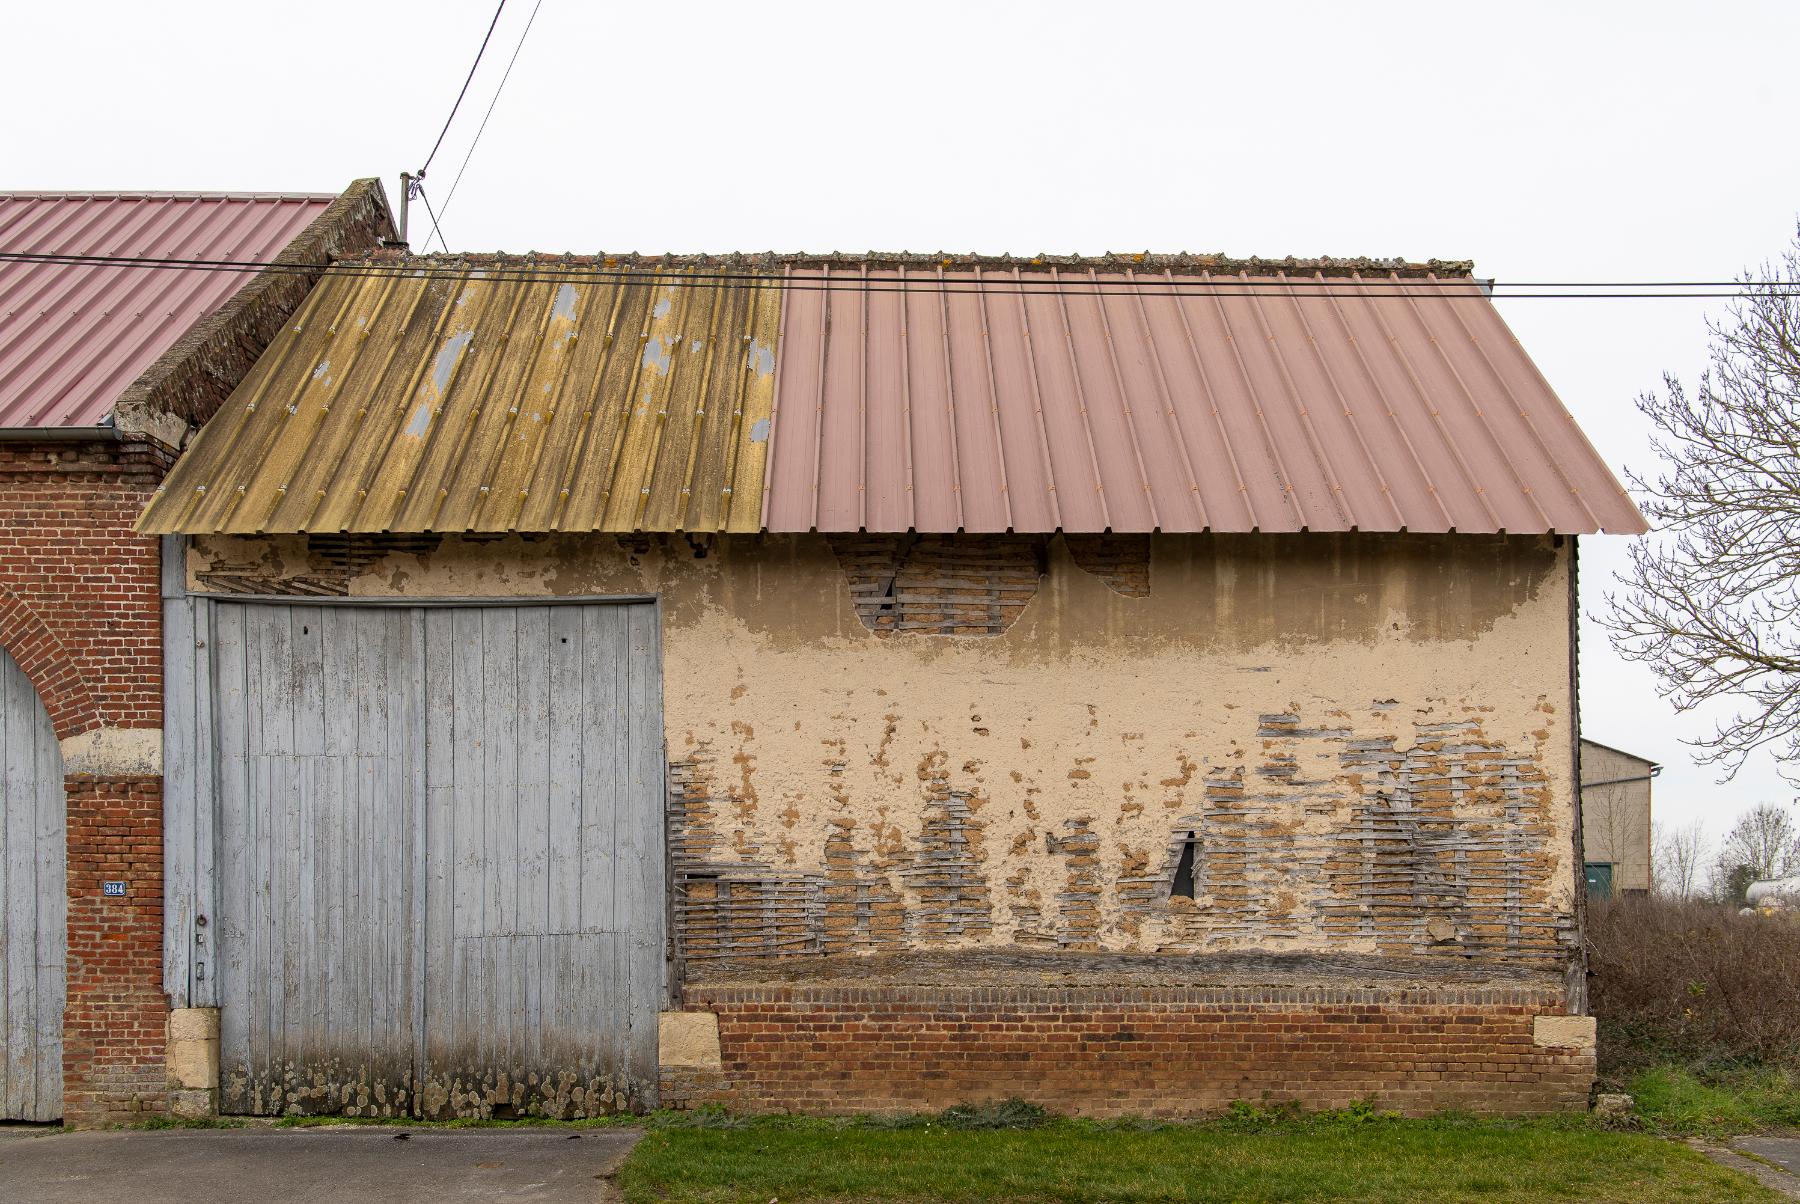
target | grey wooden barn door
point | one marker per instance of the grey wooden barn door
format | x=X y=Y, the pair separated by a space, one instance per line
x=32 y=903
x=440 y=858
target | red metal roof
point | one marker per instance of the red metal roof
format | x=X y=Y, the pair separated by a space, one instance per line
x=1175 y=401
x=73 y=337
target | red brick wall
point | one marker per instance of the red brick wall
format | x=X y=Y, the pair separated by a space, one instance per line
x=80 y=606
x=81 y=612
x=1133 y=1051
x=115 y=1021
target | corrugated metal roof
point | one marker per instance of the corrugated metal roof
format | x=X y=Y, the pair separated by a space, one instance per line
x=1024 y=401
x=1130 y=393
x=474 y=400
x=73 y=337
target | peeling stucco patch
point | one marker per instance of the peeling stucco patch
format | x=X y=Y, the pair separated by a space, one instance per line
x=1373 y=763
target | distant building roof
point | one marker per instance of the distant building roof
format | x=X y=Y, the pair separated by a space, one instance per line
x=893 y=393
x=74 y=336
x=1618 y=752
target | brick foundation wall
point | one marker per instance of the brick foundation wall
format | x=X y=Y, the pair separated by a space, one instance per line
x=116 y=1017
x=1134 y=1051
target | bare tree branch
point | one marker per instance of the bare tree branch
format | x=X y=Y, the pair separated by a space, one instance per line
x=1712 y=602
x=1680 y=856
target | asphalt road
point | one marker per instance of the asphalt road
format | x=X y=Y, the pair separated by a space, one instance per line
x=275 y=1166
x=1783 y=1151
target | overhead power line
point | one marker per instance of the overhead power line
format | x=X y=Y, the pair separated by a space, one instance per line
x=482 y=128
x=1019 y=281
x=435 y=229
x=467 y=80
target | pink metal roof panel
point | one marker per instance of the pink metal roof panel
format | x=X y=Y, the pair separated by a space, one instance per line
x=994 y=397
x=73 y=337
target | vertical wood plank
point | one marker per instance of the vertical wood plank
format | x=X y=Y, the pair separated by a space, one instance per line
x=563 y=804
x=531 y=876
x=500 y=728
x=418 y=826
x=231 y=925
x=180 y=745
x=467 y=915
x=52 y=911
x=18 y=898
x=603 y=652
x=204 y=935
x=642 y=847
x=441 y=830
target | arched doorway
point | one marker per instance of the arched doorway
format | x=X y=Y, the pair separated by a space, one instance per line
x=32 y=903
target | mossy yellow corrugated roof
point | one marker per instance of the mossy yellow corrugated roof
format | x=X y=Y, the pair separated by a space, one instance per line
x=471 y=397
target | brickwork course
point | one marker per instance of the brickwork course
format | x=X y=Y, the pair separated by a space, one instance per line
x=82 y=617
x=80 y=613
x=1162 y=1052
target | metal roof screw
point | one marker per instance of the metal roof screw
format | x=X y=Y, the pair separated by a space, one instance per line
x=645 y=490
x=524 y=491
x=484 y=489
x=240 y=489
x=199 y=489
x=251 y=408
x=362 y=493
x=281 y=489
x=562 y=493
x=727 y=489
x=293 y=409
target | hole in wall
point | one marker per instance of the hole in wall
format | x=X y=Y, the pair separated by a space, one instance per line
x=1183 y=885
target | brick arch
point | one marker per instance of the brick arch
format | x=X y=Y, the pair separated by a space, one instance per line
x=59 y=682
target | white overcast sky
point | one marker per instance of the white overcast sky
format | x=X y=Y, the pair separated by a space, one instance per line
x=1545 y=141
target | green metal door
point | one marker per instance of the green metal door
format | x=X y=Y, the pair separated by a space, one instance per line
x=1599 y=879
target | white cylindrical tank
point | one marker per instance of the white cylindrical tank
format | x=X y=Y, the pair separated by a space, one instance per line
x=1774 y=892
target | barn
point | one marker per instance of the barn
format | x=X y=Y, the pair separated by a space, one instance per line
x=860 y=683
x=106 y=361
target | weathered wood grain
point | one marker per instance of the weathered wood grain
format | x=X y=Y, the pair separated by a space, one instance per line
x=32 y=903
x=439 y=866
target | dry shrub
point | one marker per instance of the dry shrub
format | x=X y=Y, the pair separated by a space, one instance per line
x=1692 y=983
